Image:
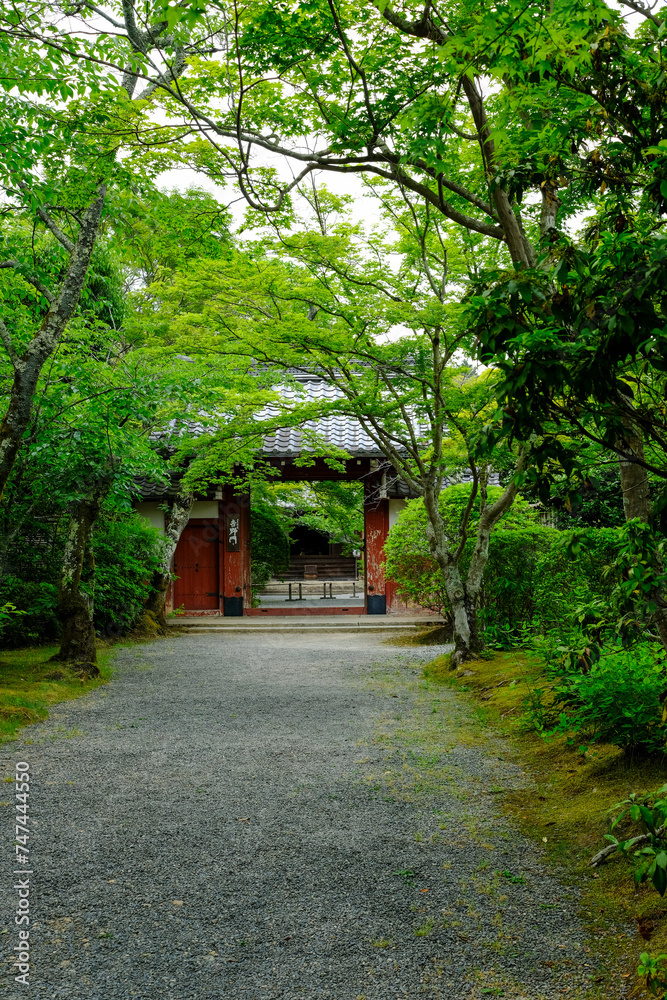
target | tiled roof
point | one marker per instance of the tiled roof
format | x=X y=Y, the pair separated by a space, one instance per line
x=147 y=487
x=338 y=429
x=335 y=429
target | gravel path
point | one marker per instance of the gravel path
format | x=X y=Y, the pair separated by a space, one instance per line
x=241 y=817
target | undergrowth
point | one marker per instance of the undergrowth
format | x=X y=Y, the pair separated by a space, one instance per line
x=30 y=685
x=575 y=787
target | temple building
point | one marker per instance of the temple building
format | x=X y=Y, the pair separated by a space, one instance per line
x=212 y=559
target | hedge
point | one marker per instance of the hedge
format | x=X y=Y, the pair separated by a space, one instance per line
x=530 y=578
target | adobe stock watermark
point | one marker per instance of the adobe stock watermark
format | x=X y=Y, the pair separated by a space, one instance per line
x=22 y=873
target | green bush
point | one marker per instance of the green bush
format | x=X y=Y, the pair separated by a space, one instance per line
x=654 y=969
x=648 y=813
x=127 y=551
x=409 y=562
x=39 y=602
x=517 y=559
x=616 y=700
x=408 y=557
x=564 y=579
x=532 y=583
x=270 y=546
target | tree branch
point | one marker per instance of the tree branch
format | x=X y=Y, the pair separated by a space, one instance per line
x=30 y=278
x=55 y=229
x=642 y=8
x=641 y=839
x=7 y=344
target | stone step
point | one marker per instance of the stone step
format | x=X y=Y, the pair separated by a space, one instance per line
x=286 y=626
x=301 y=623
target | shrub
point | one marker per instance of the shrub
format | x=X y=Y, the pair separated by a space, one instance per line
x=618 y=701
x=509 y=596
x=409 y=561
x=270 y=546
x=532 y=582
x=7 y=611
x=39 y=621
x=654 y=968
x=408 y=557
x=649 y=847
x=127 y=552
x=565 y=579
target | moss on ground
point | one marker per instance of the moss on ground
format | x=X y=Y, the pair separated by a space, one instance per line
x=566 y=809
x=30 y=685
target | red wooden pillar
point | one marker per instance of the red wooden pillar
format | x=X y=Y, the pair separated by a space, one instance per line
x=376 y=529
x=235 y=553
x=391 y=598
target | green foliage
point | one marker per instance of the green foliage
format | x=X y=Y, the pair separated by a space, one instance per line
x=581 y=348
x=36 y=603
x=534 y=582
x=270 y=545
x=164 y=233
x=103 y=298
x=514 y=591
x=594 y=502
x=649 y=814
x=7 y=612
x=640 y=574
x=453 y=501
x=571 y=573
x=334 y=508
x=410 y=563
x=616 y=700
x=127 y=551
x=654 y=968
x=623 y=609
x=538 y=715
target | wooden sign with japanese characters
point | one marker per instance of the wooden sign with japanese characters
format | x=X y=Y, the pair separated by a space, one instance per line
x=232 y=532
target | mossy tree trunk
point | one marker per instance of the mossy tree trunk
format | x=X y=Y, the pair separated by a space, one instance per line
x=636 y=491
x=176 y=518
x=634 y=477
x=464 y=594
x=62 y=304
x=77 y=583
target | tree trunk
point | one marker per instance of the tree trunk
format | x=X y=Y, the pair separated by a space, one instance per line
x=76 y=589
x=518 y=245
x=549 y=211
x=463 y=605
x=464 y=595
x=634 y=477
x=637 y=501
x=28 y=367
x=468 y=641
x=153 y=617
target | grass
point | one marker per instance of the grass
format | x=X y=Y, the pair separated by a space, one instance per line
x=567 y=810
x=30 y=685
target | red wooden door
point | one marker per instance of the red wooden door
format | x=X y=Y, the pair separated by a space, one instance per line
x=196 y=566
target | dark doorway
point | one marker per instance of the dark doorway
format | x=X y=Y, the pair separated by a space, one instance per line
x=308 y=542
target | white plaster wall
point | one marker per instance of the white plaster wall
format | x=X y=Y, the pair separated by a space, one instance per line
x=155 y=516
x=204 y=508
x=152 y=513
x=395 y=508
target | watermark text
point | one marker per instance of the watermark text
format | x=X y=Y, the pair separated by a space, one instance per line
x=22 y=872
